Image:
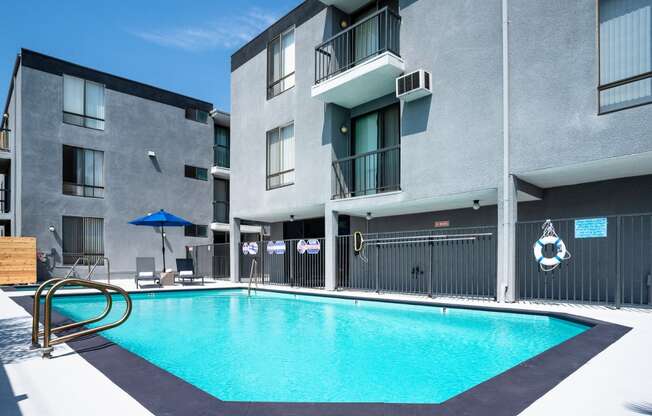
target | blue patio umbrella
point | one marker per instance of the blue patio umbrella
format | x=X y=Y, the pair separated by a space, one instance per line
x=161 y=219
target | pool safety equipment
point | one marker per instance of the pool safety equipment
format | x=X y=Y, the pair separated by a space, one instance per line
x=360 y=243
x=48 y=330
x=550 y=237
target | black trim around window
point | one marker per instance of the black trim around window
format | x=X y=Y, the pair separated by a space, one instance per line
x=71 y=164
x=618 y=83
x=194 y=172
x=272 y=85
x=195 y=230
x=269 y=175
x=197 y=115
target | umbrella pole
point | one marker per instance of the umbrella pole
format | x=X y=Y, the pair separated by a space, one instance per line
x=163 y=245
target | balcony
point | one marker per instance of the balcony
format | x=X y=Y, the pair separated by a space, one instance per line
x=368 y=173
x=221 y=162
x=360 y=63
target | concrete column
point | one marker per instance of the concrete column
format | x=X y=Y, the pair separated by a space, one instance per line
x=234 y=250
x=330 y=248
x=507 y=217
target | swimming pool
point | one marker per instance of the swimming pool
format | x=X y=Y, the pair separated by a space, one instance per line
x=292 y=348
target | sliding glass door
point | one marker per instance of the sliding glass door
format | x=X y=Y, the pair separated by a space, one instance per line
x=376 y=156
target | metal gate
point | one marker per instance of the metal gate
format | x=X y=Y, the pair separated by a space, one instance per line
x=464 y=268
x=284 y=262
x=212 y=260
x=615 y=268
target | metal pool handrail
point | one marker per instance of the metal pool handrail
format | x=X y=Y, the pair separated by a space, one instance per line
x=48 y=330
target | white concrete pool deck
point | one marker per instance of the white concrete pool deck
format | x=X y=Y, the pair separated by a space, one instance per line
x=618 y=381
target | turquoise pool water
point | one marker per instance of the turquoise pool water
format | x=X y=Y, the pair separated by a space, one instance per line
x=278 y=347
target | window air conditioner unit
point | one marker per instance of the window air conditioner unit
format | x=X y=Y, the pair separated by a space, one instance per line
x=415 y=85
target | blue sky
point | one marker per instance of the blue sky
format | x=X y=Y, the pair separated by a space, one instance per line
x=178 y=45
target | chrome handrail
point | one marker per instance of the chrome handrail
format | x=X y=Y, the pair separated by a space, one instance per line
x=48 y=330
x=91 y=270
x=72 y=269
x=254 y=266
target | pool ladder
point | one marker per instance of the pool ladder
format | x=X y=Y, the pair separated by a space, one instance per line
x=91 y=267
x=252 y=272
x=57 y=283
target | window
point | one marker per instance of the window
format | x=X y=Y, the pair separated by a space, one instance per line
x=83 y=103
x=195 y=230
x=280 y=64
x=196 y=173
x=221 y=201
x=221 y=147
x=82 y=237
x=280 y=156
x=196 y=114
x=625 y=54
x=83 y=172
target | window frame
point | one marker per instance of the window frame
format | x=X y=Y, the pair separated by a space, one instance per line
x=84 y=116
x=617 y=83
x=195 y=170
x=195 y=233
x=271 y=84
x=192 y=113
x=225 y=202
x=226 y=148
x=269 y=175
x=85 y=254
x=83 y=185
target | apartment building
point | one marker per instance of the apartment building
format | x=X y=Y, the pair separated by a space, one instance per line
x=83 y=152
x=398 y=116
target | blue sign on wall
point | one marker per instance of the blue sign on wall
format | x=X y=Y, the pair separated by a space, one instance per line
x=591 y=228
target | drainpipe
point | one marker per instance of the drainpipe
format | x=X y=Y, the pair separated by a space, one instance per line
x=507 y=279
x=649 y=289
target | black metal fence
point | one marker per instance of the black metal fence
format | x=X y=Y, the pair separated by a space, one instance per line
x=607 y=268
x=298 y=263
x=368 y=173
x=370 y=37
x=212 y=260
x=451 y=267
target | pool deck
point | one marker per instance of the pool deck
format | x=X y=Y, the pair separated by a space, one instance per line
x=615 y=382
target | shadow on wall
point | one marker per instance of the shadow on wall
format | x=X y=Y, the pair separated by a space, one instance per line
x=155 y=163
x=415 y=116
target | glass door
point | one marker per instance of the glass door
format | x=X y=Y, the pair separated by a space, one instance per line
x=365 y=139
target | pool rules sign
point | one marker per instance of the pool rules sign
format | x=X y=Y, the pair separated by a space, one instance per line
x=308 y=246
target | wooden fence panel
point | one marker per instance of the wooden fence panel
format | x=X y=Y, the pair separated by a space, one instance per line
x=17 y=260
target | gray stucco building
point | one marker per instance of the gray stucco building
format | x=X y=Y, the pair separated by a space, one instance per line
x=88 y=151
x=532 y=110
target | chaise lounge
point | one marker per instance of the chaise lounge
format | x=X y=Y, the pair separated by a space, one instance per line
x=186 y=271
x=146 y=271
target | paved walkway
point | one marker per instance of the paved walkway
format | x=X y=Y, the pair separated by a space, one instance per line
x=618 y=381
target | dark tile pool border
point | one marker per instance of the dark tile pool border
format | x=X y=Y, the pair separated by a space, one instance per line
x=508 y=393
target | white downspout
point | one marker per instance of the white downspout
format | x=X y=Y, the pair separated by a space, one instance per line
x=505 y=289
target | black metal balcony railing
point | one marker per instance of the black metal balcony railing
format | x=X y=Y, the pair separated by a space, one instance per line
x=368 y=173
x=221 y=157
x=4 y=201
x=221 y=212
x=378 y=33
